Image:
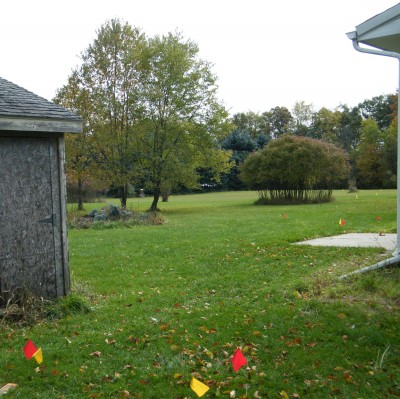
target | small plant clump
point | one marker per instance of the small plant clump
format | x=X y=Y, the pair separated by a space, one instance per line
x=113 y=216
x=24 y=308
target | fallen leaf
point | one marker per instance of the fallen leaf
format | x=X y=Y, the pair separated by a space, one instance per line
x=284 y=395
x=4 y=389
x=296 y=341
x=347 y=376
x=164 y=327
x=96 y=354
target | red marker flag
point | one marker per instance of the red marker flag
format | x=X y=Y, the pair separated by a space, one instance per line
x=29 y=349
x=238 y=360
x=342 y=222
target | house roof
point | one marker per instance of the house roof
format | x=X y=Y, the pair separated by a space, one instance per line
x=23 y=110
x=381 y=31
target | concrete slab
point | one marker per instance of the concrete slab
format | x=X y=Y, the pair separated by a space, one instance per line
x=386 y=241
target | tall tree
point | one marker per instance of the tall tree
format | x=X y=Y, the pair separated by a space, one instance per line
x=302 y=117
x=380 y=109
x=184 y=122
x=110 y=77
x=390 y=154
x=252 y=123
x=370 y=161
x=279 y=120
x=325 y=125
x=241 y=144
x=77 y=146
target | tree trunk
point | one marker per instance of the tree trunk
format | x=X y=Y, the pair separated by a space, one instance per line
x=165 y=196
x=124 y=195
x=156 y=197
x=352 y=185
x=80 y=199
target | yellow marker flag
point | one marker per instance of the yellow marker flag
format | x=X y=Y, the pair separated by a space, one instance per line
x=38 y=355
x=198 y=387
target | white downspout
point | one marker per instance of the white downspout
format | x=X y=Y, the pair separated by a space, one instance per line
x=396 y=255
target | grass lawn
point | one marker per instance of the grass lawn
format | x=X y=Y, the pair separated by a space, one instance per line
x=175 y=301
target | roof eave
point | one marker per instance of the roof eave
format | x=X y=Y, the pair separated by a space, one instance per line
x=379 y=20
x=40 y=125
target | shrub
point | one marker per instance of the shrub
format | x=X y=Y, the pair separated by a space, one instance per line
x=295 y=169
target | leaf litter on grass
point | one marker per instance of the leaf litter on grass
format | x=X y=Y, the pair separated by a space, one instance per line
x=275 y=301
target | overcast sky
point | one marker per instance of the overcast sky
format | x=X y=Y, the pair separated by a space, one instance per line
x=266 y=53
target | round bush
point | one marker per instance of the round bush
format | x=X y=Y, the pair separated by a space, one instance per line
x=295 y=169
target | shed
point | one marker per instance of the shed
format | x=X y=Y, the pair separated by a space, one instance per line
x=33 y=229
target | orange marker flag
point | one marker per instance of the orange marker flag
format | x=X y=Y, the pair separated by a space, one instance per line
x=198 y=387
x=342 y=222
x=284 y=216
x=378 y=218
x=238 y=360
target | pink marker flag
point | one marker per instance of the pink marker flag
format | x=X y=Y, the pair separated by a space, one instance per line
x=238 y=360
x=29 y=349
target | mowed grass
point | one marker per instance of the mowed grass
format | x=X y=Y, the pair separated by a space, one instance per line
x=175 y=301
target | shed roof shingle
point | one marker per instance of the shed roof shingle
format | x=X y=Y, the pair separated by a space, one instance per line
x=19 y=103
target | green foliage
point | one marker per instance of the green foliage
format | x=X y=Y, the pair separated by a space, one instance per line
x=106 y=91
x=183 y=119
x=342 y=127
x=279 y=121
x=151 y=110
x=239 y=141
x=252 y=123
x=375 y=156
x=295 y=169
x=380 y=108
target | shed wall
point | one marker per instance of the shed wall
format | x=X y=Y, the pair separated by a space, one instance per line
x=33 y=242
